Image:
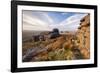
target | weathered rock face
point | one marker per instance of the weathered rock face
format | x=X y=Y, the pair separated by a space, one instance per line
x=83 y=36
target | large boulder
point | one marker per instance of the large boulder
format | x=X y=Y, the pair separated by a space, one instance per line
x=54 y=33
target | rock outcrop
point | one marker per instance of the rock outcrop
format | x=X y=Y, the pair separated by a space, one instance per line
x=54 y=33
x=83 y=35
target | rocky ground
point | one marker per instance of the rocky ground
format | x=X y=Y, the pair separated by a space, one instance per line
x=59 y=48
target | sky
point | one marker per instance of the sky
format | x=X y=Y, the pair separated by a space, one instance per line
x=47 y=20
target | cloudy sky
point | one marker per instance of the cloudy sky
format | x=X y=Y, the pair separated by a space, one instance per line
x=46 y=21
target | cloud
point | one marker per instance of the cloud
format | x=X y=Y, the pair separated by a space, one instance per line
x=73 y=19
x=47 y=17
x=71 y=23
x=39 y=15
x=33 y=20
x=64 y=13
x=42 y=21
x=33 y=23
